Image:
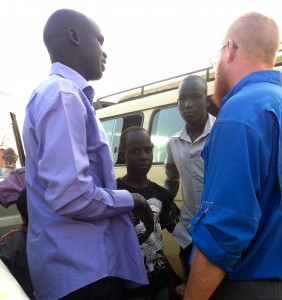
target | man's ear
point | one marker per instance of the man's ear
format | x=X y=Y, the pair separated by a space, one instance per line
x=231 y=51
x=73 y=36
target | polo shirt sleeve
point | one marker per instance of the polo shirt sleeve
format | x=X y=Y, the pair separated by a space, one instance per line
x=236 y=160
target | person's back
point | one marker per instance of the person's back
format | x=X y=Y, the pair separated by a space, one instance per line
x=184 y=162
x=237 y=232
x=137 y=151
x=13 y=249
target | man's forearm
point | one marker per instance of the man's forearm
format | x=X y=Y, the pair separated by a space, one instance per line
x=203 y=279
x=172 y=187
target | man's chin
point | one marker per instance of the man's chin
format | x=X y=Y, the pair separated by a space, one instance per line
x=97 y=76
x=217 y=100
x=220 y=86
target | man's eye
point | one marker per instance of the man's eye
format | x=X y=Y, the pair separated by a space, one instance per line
x=197 y=97
x=190 y=98
x=134 y=151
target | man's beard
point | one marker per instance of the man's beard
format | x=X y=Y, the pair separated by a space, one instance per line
x=220 y=85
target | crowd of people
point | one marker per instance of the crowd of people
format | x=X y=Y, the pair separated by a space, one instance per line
x=88 y=235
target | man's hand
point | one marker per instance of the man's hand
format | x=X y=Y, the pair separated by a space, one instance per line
x=174 y=217
x=174 y=213
x=143 y=212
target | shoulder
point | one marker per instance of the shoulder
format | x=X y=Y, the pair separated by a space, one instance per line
x=55 y=94
x=211 y=118
x=56 y=84
x=174 y=139
x=122 y=186
x=161 y=190
x=255 y=94
x=20 y=171
x=177 y=134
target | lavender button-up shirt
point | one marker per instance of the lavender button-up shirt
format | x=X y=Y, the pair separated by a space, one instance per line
x=79 y=229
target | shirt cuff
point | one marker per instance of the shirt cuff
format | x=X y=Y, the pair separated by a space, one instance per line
x=203 y=239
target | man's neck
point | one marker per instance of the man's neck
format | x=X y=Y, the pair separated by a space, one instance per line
x=197 y=129
x=135 y=181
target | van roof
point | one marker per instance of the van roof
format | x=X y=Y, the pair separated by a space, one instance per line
x=156 y=87
x=152 y=88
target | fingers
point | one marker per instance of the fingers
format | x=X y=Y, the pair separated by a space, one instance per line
x=143 y=212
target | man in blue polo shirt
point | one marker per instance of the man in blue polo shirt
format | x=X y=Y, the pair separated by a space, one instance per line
x=238 y=231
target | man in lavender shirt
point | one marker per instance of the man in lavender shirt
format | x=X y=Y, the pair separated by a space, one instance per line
x=81 y=241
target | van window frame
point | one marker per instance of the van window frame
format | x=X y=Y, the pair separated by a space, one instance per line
x=134 y=115
x=152 y=118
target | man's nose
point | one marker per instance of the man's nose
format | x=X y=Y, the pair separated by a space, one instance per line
x=143 y=155
x=188 y=103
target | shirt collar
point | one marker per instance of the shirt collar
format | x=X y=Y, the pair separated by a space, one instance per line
x=209 y=123
x=68 y=73
x=255 y=77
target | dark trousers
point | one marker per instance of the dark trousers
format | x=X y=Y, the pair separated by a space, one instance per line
x=184 y=256
x=248 y=290
x=109 y=288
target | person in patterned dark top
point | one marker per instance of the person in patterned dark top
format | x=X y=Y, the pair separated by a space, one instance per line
x=13 y=249
x=137 y=152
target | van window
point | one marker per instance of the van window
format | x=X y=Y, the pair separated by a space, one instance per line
x=165 y=123
x=114 y=128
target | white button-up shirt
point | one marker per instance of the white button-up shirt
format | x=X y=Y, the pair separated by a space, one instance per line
x=184 y=163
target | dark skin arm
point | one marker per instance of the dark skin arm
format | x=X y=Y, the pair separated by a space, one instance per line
x=172 y=187
x=204 y=278
x=172 y=179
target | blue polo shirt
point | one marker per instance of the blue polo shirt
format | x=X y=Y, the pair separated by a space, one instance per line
x=239 y=225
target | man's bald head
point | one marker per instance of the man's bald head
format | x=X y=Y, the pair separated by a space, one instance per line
x=56 y=28
x=257 y=35
x=75 y=40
